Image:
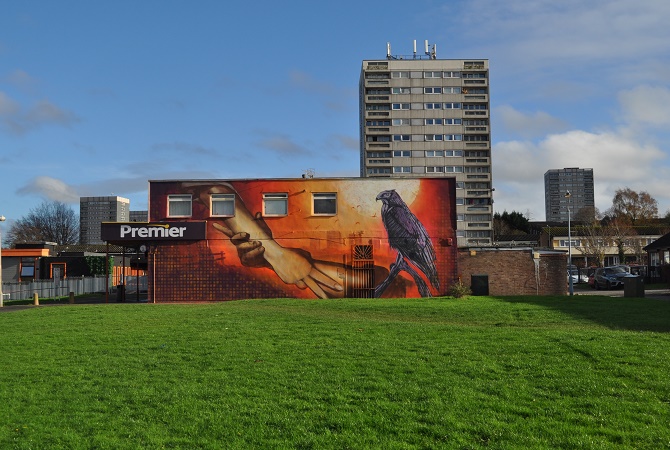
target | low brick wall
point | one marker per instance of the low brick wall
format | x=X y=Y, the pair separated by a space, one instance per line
x=519 y=271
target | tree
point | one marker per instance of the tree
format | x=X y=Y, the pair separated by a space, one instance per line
x=510 y=223
x=586 y=215
x=636 y=208
x=48 y=222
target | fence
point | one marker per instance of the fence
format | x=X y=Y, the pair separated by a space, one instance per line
x=51 y=288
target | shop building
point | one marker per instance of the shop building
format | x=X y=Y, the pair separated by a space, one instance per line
x=217 y=240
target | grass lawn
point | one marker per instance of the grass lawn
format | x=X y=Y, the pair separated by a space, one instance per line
x=511 y=372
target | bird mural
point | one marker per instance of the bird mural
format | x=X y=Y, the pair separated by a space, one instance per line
x=409 y=238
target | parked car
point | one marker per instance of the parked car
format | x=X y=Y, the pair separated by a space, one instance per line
x=577 y=276
x=609 y=277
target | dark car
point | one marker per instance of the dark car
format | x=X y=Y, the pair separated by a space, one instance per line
x=609 y=277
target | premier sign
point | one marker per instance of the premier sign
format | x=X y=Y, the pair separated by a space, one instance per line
x=154 y=231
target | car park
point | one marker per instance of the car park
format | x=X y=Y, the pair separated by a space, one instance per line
x=609 y=277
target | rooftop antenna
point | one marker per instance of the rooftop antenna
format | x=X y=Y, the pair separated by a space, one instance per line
x=308 y=173
x=388 y=50
x=414 y=48
x=426 y=47
x=433 y=54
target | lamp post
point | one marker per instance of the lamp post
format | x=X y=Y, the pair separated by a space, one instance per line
x=2 y=299
x=571 y=287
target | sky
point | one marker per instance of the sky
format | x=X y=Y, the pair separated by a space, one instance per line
x=97 y=98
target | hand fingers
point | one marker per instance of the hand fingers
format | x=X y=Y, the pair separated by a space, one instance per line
x=253 y=258
x=240 y=238
x=324 y=279
x=225 y=230
x=314 y=286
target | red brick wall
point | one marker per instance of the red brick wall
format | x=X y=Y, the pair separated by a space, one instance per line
x=516 y=272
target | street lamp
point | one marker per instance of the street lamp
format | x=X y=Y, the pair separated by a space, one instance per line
x=571 y=287
x=2 y=300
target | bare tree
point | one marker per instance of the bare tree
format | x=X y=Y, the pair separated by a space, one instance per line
x=48 y=222
x=587 y=214
x=594 y=240
x=636 y=208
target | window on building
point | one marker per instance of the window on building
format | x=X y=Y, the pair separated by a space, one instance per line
x=432 y=90
x=399 y=74
x=476 y=137
x=402 y=153
x=453 y=137
x=454 y=169
x=180 y=205
x=27 y=269
x=435 y=169
x=223 y=205
x=432 y=74
x=401 y=106
x=433 y=137
x=275 y=204
x=452 y=106
x=451 y=74
x=475 y=106
x=453 y=121
x=377 y=107
x=402 y=169
x=434 y=122
x=379 y=154
x=402 y=137
x=379 y=170
x=324 y=203
x=378 y=138
x=377 y=123
x=434 y=153
x=432 y=105
x=400 y=90
x=399 y=122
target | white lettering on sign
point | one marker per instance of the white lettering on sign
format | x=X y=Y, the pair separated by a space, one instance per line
x=152 y=231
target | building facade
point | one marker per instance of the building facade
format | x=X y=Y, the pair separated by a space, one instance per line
x=139 y=216
x=426 y=117
x=95 y=210
x=216 y=240
x=579 y=183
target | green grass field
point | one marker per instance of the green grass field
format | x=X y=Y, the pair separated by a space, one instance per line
x=480 y=372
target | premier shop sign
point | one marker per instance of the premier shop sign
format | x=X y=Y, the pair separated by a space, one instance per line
x=153 y=231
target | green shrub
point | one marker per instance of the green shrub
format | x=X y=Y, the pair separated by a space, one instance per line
x=458 y=290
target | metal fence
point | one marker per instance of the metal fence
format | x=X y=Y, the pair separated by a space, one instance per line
x=51 y=288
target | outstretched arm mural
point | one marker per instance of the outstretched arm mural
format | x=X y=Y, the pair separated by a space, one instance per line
x=291 y=265
x=409 y=249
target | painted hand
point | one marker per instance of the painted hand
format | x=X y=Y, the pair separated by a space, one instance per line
x=291 y=265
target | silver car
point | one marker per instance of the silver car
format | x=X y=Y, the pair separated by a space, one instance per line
x=609 y=277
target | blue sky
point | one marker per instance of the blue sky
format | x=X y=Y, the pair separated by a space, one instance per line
x=96 y=98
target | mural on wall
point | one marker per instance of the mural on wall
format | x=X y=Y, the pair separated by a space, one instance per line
x=399 y=248
x=410 y=239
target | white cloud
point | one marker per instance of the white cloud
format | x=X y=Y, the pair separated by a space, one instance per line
x=51 y=189
x=18 y=120
x=617 y=159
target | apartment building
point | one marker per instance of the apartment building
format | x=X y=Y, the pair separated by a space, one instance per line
x=95 y=210
x=579 y=183
x=426 y=117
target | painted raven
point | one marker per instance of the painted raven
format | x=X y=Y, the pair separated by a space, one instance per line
x=409 y=237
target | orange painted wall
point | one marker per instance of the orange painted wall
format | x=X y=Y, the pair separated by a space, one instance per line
x=212 y=270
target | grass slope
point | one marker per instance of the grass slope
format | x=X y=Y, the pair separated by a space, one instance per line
x=513 y=372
